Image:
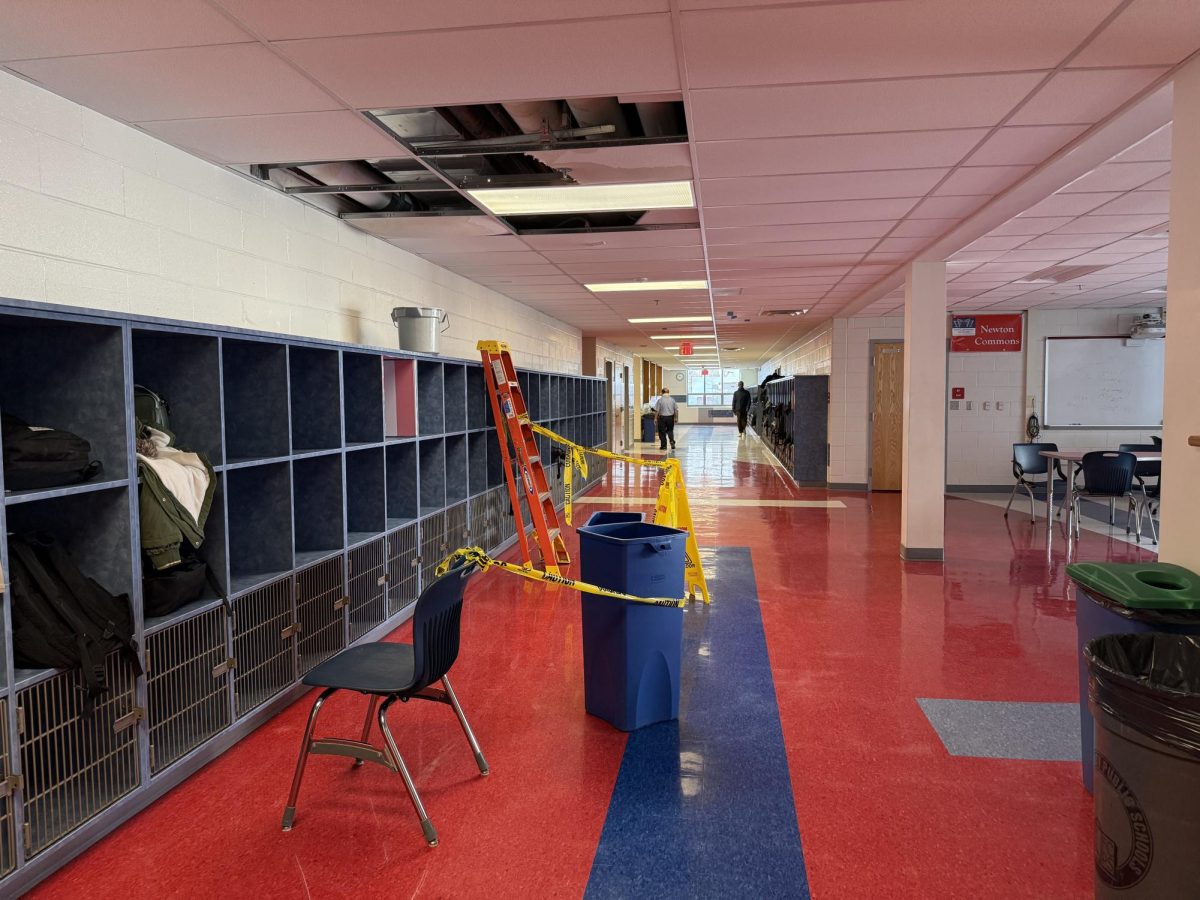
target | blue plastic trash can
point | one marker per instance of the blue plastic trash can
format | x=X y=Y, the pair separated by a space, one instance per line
x=632 y=652
x=611 y=517
x=1127 y=598
x=649 y=429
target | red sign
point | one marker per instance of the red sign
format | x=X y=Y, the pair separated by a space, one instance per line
x=704 y=371
x=685 y=348
x=999 y=333
x=958 y=393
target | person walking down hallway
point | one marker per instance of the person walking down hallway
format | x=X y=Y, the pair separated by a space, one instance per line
x=741 y=406
x=664 y=416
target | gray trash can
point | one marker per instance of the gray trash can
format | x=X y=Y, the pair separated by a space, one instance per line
x=1144 y=691
x=418 y=327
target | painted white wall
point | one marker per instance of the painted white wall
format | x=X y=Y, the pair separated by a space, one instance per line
x=1181 y=411
x=1075 y=323
x=94 y=213
x=811 y=355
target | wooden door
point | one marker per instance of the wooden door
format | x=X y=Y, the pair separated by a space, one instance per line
x=887 y=415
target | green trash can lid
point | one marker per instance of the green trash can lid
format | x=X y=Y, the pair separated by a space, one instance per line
x=1140 y=585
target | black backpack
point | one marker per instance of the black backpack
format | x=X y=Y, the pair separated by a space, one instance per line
x=43 y=457
x=166 y=590
x=63 y=619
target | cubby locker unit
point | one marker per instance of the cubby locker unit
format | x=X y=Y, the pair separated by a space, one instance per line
x=316 y=399
x=366 y=495
x=328 y=519
x=362 y=391
x=457 y=468
x=403 y=496
x=259 y=503
x=796 y=426
x=454 y=397
x=478 y=403
x=185 y=371
x=403 y=567
x=255 y=379
x=431 y=417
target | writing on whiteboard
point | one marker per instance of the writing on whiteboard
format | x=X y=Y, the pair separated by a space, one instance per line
x=1103 y=382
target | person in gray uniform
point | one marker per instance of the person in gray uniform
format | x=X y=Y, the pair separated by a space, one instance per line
x=665 y=412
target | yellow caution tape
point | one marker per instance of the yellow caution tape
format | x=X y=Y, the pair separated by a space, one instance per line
x=476 y=556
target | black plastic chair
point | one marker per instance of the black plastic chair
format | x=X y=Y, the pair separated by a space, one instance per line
x=1027 y=460
x=1107 y=475
x=393 y=672
x=1150 y=492
x=1156 y=441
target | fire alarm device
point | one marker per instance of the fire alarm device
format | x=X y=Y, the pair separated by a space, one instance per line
x=958 y=393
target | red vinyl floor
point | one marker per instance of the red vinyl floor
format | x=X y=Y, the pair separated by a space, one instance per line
x=854 y=637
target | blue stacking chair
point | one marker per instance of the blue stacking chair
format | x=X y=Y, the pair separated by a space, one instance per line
x=1107 y=475
x=1151 y=492
x=1027 y=461
x=391 y=672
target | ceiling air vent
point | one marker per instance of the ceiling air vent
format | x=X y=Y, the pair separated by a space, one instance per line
x=783 y=312
x=1059 y=274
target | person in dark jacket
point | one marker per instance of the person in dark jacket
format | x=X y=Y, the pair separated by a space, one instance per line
x=741 y=407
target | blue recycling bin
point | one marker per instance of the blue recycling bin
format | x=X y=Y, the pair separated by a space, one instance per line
x=1127 y=598
x=632 y=652
x=611 y=517
x=649 y=429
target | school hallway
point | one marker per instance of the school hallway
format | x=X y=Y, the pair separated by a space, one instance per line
x=851 y=726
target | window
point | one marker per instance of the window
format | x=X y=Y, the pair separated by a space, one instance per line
x=714 y=389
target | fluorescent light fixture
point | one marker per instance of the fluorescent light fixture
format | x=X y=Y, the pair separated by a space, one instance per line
x=1155 y=291
x=586 y=198
x=671 y=319
x=681 y=337
x=698 y=284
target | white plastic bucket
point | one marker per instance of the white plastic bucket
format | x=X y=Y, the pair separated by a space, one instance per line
x=418 y=327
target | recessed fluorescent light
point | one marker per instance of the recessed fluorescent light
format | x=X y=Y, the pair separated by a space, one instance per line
x=586 y=198
x=671 y=319
x=628 y=286
x=1155 y=291
x=681 y=337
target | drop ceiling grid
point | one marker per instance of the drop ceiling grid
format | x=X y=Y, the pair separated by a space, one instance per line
x=1010 y=85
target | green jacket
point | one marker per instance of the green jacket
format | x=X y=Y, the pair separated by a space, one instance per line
x=165 y=523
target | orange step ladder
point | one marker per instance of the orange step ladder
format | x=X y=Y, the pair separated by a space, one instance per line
x=512 y=420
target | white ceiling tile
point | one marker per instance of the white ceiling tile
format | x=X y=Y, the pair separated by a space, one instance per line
x=968 y=180
x=841 y=42
x=805 y=213
x=400 y=228
x=1083 y=97
x=667 y=237
x=858 y=107
x=285 y=19
x=836 y=153
x=596 y=57
x=618 y=254
x=1158 y=184
x=1069 y=204
x=293 y=137
x=902 y=245
x=77 y=27
x=1110 y=224
x=924 y=227
x=1154 y=148
x=1075 y=242
x=996 y=242
x=1030 y=225
x=1138 y=203
x=1026 y=145
x=823 y=231
x=1118 y=177
x=948 y=207
x=624 y=165
x=1147 y=33
x=789 y=248
x=183 y=83
x=801 y=188
x=1030 y=255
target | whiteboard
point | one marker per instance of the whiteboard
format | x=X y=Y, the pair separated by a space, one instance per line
x=1104 y=382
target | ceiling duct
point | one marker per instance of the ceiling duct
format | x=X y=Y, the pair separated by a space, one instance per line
x=350 y=173
x=591 y=111
x=659 y=119
x=537 y=116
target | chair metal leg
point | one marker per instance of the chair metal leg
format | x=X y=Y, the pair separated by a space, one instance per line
x=462 y=720
x=1010 y=498
x=1112 y=510
x=426 y=826
x=289 y=811
x=1032 y=507
x=366 y=732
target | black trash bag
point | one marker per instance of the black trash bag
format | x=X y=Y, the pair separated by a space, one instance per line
x=1150 y=682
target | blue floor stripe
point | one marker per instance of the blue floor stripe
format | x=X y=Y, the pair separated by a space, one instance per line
x=703 y=806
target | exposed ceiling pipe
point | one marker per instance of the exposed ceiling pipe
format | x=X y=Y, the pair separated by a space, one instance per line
x=482 y=122
x=658 y=119
x=350 y=173
x=600 y=111
x=534 y=116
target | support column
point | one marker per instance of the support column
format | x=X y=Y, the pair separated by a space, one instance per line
x=1180 y=517
x=922 y=503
